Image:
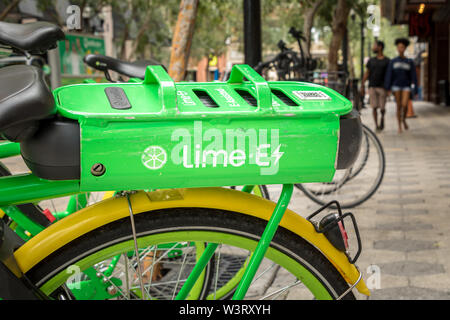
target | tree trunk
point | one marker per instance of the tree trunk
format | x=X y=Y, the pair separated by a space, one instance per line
x=308 y=22
x=182 y=39
x=8 y=9
x=338 y=27
x=141 y=32
x=350 y=61
x=123 y=51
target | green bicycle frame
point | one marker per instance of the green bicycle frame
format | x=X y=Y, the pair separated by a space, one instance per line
x=95 y=288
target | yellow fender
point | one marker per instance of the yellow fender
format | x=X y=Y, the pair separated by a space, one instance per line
x=109 y=210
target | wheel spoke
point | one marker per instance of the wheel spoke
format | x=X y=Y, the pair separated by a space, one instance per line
x=217 y=261
x=166 y=265
x=281 y=291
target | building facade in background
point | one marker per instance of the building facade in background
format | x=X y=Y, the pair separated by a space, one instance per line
x=429 y=23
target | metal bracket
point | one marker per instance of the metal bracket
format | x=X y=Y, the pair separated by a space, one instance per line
x=352 y=287
x=331 y=225
x=136 y=249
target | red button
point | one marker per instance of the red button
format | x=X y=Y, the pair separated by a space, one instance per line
x=49 y=215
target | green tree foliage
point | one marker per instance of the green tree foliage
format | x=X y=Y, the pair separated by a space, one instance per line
x=217 y=22
x=6 y=7
x=149 y=25
x=388 y=34
x=221 y=22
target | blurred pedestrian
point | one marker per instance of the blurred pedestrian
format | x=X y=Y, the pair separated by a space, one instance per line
x=375 y=72
x=401 y=79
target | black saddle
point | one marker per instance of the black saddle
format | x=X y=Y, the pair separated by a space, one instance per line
x=35 y=37
x=24 y=100
x=129 y=69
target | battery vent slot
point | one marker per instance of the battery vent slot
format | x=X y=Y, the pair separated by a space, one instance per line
x=206 y=99
x=248 y=97
x=284 y=98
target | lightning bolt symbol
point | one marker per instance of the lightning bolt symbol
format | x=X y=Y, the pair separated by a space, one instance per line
x=277 y=154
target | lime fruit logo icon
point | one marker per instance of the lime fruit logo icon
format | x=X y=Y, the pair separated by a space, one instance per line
x=154 y=157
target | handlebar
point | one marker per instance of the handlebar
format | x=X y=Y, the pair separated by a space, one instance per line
x=297 y=34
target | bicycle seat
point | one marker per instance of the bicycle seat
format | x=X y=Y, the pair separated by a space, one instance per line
x=129 y=69
x=36 y=37
x=24 y=100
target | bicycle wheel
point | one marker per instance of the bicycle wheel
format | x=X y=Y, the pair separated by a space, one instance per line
x=30 y=210
x=270 y=72
x=301 y=271
x=232 y=267
x=353 y=186
x=343 y=176
x=42 y=214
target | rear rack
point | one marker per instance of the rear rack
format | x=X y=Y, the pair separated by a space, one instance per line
x=245 y=94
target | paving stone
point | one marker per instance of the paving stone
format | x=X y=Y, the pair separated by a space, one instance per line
x=416 y=184
x=405 y=245
x=442 y=172
x=401 y=201
x=402 y=183
x=409 y=293
x=438 y=164
x=438 y=157
x=400 y=191
x=402 y=211
x=432 y=281
x=404 y=177
x=401 y=178
x=411 y=268
x=406 y=181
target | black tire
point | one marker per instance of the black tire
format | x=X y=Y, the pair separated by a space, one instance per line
x=356 y=170
x=316 y=196
x=183 y=219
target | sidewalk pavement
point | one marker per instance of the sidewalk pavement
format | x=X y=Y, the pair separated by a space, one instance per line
x=405 y=226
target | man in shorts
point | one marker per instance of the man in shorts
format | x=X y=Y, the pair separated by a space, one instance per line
x=375 y=72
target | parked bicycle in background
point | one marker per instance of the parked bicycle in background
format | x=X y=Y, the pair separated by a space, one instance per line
x=352 y=186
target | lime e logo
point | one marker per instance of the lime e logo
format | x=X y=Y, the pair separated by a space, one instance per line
x=154 y=157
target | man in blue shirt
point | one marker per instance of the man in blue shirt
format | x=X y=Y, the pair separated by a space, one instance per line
x=375 y=72
x=401 y=79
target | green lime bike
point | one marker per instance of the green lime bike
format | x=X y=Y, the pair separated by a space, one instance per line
x=29 y=219
x=182 y=140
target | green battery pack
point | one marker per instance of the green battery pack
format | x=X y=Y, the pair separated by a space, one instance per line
x=161 y=134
